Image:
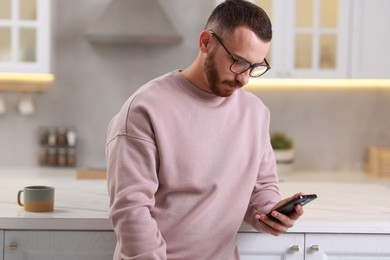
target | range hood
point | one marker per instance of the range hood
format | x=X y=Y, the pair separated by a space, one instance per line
x=135 y=22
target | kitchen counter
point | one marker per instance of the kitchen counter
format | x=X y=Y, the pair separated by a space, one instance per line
x=79 y=204
x=346 y=203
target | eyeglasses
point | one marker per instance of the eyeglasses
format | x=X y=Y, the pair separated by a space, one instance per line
x=240 y=66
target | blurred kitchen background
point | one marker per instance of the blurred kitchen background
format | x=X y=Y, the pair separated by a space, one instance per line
x=332 y=126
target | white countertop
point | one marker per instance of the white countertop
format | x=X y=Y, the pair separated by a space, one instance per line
x=346 y=203
x=79 y=204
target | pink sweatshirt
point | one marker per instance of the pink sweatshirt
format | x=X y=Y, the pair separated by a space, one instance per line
x=184 y=169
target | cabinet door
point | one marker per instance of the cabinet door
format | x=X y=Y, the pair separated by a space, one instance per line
x=310 y=38
x=258 y=246
x=370 y=39
x=1 y=244
x=347 y=247
x=317 y=38
x=58 y=245
x=25 y=36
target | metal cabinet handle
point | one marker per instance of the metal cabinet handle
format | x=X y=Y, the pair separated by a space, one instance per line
x=13 y=246
x=294 y=248
x=315 y=248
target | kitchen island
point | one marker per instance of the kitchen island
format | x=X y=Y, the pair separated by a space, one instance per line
x=350 y=207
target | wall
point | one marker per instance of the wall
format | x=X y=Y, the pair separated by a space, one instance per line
x=331 y=129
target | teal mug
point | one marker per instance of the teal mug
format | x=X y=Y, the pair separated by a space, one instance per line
x=37 y=198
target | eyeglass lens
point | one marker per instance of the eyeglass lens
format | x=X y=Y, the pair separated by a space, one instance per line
x=242 y=66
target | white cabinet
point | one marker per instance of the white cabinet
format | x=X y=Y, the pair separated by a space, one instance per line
x=258 y=246
x=310 y=38
x=1 y=245
x=58 y=245
x=25 y=36
x=329 y=38
x=370 y=39
x=347 y=246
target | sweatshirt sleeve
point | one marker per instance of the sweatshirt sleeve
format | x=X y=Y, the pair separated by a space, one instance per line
x=132 y=165
x=266 y=192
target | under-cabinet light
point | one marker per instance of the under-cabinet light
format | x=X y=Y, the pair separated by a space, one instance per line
x=260 y=83
x=25 y=82
x=26 y=78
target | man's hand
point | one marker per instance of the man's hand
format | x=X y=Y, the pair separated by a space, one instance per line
x=276 y=228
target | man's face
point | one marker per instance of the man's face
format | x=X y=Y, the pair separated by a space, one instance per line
x=217 y=86
x=243 y=44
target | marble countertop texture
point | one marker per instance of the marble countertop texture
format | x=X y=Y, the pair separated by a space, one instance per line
x=348 y=202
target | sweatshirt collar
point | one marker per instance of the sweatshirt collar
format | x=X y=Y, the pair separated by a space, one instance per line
x=194 y=91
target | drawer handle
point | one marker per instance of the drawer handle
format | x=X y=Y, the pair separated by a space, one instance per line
x=295 y=249
x=315 y=248
x=13 y=246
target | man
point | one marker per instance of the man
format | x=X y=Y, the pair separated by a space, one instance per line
x=189 y=155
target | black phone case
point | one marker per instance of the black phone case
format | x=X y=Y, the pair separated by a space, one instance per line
x=288 y=207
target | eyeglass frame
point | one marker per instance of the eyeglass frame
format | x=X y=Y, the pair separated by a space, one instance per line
x=251 y=66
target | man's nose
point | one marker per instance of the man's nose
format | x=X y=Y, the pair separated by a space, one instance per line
x=243 y=78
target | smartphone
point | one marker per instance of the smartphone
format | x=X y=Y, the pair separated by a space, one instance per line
x=288 y=207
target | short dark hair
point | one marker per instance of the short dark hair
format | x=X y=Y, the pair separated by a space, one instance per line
x=231 y=14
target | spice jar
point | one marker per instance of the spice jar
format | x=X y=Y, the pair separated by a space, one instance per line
x=71 y=157
x=52 y=156
x=52 y=137
x=43 y=134
x=61 y=157
x=61 y=136
x=71 y=137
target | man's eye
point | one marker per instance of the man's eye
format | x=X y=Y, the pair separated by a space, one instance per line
x=242 y=63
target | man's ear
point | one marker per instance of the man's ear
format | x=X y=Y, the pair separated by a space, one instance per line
x=204 y=41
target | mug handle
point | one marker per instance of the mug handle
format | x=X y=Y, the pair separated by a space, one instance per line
x=19 y=200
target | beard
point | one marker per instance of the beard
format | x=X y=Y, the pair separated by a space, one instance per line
x=214 y=80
